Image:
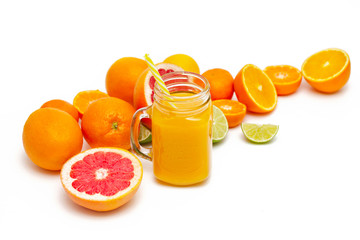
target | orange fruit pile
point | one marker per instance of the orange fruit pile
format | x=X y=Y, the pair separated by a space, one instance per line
x=326 y=71
x=107 y=175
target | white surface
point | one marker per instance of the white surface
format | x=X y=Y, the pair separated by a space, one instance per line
x=303 y=185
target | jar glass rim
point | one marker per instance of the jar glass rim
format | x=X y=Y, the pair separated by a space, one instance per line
x=170 y=82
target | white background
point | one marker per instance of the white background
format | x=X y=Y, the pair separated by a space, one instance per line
x=305 y=184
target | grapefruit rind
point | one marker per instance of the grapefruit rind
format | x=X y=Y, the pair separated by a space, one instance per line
x=97 y=201
x=143 y=91
x=148 y=90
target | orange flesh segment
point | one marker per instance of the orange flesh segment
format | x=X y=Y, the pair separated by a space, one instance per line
x=258 y=85
x=234 y=111
x=229 y=109
x=283 y=74
x=325 y=64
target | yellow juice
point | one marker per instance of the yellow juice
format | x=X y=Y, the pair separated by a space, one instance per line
x=182 y=142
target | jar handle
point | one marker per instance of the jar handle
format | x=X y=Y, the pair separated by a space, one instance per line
x=134 y=133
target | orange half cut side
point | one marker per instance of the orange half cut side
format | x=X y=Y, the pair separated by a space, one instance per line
x=234 y=111
x=328 y=70
x=286 y=79
x=255 y=89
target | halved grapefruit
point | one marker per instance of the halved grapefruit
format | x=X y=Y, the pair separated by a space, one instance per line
x=102 y=179
x=144 y=88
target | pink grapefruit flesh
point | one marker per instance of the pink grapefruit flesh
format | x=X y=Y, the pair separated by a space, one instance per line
x=144 y=88
x=103 y=173
x=102 y=179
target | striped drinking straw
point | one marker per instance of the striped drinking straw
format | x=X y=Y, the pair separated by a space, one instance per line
x=156 y=74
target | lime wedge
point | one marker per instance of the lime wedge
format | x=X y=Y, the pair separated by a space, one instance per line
x=259 y=133
x=220 y=125
x=144 y=135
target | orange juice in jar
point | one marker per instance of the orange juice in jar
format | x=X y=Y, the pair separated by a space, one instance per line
x=181 y=130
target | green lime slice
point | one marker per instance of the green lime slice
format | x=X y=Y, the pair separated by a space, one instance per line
x=259 y=133
x=220 y=125
x=144 y=135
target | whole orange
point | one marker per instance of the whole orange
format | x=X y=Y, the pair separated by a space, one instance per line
x=106 y=123
x=221 y=83
x=50 y=137
x=122 y=76
x=62 y=105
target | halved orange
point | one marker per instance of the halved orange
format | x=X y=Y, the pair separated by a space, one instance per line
x=328 y=70
x=234 y=111
x=84 y=98
x=286 y=78
x=255 y=89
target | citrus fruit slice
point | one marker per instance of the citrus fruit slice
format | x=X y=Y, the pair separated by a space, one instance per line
x=221 y=83
x=234 y=111
x=122 y=76
x=64 y=106
x=144 y=88
x=220 y=125
x=328 y=70
x=84 y=98
x=102 y=179
x=255 y=89
x=144 y=135
x=184 y=61
x=286 y=79
x=259 y=133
